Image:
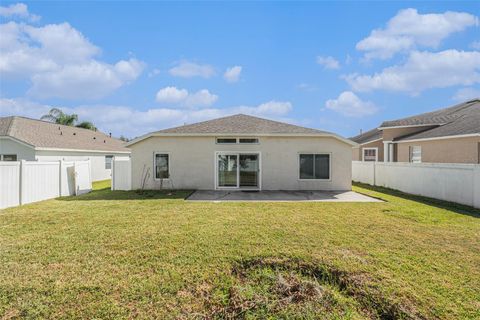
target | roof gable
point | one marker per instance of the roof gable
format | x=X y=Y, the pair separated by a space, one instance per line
x=43 y=134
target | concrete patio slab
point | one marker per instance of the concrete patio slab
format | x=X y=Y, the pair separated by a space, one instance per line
x=314 y=196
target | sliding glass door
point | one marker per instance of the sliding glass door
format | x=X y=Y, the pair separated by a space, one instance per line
x=238 y=170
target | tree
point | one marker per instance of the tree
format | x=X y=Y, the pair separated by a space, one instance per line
x=58 y=116
x=86 y=125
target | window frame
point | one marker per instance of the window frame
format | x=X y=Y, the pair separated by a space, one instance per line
x=411 y=154
x=257 y=141
x=154 y=165
x=315 y=153
x=109 y=156
x=372 y=148
x=217 y=138
x=2 y=157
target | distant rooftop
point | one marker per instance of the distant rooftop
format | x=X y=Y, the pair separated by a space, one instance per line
x=368 y=136
x=43 y=134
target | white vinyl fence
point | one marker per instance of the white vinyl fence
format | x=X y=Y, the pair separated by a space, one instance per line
x=458 y=183
x=121 y=174
x=23 y=182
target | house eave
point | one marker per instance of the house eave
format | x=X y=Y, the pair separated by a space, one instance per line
x=81 y=150
x=159 y=134
x=440 y=138
x=412 y=126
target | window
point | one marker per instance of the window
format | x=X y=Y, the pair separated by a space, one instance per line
x=8 y=157
x=370 y=154
x=161 y=166
x=227 y=140
x=416 y=154
x=315 y=166
x=108 y=162
x=248 y=140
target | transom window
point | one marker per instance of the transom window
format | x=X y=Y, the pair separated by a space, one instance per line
x=237 y=140
x=370 y=154
x=416 y=154
x=8 y=157
x=315 y=166
x=162 y=166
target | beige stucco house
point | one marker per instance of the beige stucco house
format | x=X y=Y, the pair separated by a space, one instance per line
x=450 y=135
x=36 y=140
x=241 y=152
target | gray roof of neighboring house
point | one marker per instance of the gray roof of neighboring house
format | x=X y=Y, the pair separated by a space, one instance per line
x=241 y=124
x=459 y=120
x=368 y=136
x=43 y=134
x=438 y=117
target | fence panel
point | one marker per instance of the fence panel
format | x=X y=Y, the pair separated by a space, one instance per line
x=121 y=174
x=40 y=181
x=451 y=182
x=9 y=184
x=83 y=180
x=22 y=182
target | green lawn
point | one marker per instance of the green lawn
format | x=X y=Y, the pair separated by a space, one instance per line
x=114 y=255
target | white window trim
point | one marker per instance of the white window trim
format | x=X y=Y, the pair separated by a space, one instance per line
x=112 y=157
x=217 y=153
x=154 y=165
x=376 y=153
x=314 y=179
x=411 y=154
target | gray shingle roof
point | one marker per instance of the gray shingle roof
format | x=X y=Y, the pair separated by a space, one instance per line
x=466 y=121
x=438 y=117
x=368 y=136
x=43 y=134
x=241 y=124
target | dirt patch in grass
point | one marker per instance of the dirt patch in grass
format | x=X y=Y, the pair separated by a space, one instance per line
x=288 y=287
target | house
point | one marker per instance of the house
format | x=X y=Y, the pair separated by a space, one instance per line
x=241 y=152
x=450 y=135
x=29 y=139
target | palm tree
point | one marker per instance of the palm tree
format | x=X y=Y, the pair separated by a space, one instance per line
x=58 y=116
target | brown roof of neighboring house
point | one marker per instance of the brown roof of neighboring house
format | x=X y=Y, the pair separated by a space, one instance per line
x=439 y=117
x=368 y=136
x=240 y=124
x=43 y=134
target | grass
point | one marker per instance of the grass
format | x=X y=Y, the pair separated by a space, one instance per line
x=121 y=254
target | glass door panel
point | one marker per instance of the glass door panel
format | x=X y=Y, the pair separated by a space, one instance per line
x=227 y=170
x=248 y=168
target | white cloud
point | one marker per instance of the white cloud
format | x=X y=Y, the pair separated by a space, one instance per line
x=306 y=87
x=201 y=98
x=422 y=71
x=131 y=122
x=328 y=62
x=154 y=72
x=465 y=94
x=171 y=95
x=232 y=74
x=475 y=45
x=408 y=30
x=187 y=69
x=60 y=62
x=350 y=105
x=18 y=10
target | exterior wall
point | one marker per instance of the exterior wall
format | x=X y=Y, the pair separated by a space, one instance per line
x=390 y=134
x=192 y=162
x=23 y=152
x=457 y=150
x=97 y=160
x=358 y=151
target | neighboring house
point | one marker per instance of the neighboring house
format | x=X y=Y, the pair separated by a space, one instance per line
x=450 y=135
x=241 y=152
x=29 y=139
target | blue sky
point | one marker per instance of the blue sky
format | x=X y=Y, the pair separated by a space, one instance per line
x=134 y=67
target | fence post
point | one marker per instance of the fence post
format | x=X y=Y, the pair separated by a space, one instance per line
x=60 y=164
x=21 y=182
x=112 y=184
x=476 y=186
